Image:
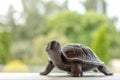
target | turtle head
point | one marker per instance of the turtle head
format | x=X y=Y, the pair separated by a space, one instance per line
x=54 y=51
x=53 y=45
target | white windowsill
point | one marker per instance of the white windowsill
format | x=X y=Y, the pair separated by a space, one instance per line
x=55 y=76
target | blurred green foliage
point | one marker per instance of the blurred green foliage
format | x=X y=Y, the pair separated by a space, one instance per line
x=5 y=42
x=56 y=22
x=78 y=27
x=100 y=44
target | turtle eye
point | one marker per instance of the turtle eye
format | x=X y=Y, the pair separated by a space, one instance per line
x=58 y=45
x=52 y=42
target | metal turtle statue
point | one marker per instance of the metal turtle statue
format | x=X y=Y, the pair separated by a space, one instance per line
x=73 y=58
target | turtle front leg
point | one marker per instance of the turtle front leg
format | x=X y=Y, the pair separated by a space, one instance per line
x=49 y=68
x=104 y=70
x=76 y=69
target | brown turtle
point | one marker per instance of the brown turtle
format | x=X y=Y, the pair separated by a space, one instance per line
x=73 y=58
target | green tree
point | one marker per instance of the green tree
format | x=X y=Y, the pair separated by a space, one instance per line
x=5 y=41
x=34 y=20
x=35 y=17
x=11 y=22
x=100 y=44
x=77 y=27
x=65 y=22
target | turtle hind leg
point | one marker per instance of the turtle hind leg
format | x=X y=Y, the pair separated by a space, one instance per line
x=104 y=70
x=76 y=69
x=49 y=68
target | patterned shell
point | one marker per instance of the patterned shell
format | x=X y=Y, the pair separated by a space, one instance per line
x=79 y=51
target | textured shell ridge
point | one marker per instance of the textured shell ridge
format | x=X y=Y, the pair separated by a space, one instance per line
x=80 y=51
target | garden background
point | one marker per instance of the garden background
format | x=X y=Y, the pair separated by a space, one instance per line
x=24 y=34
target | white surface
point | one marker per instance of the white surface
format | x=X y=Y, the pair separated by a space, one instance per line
x=55 y=76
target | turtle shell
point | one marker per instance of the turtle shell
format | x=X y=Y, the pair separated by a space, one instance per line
x=80 y=51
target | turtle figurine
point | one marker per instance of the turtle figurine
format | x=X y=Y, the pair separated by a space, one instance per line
x=73 y=58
